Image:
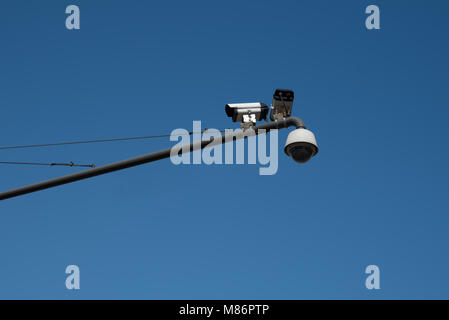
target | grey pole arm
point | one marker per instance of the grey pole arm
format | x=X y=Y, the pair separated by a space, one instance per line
x=150 y=157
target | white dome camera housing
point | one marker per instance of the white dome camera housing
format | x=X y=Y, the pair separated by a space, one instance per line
x=301 y=145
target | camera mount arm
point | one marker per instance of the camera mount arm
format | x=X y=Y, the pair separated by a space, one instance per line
x=150 y=157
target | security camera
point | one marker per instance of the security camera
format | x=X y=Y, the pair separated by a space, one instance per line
x=301 y=145
x=247 y=112
x=282 y=104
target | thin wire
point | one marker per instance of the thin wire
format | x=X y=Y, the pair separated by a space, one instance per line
x=69 y=164
x=93 y=141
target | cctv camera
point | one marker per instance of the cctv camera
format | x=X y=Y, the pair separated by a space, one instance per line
x=301 y=145
x=247 y=112
x=282 y=104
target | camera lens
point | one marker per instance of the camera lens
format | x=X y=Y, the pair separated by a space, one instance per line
x=300 y=154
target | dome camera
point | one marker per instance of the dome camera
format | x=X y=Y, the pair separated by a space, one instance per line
x=301 y=145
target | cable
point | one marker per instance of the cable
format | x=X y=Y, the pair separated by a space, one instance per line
x=91 y=141
x=69 y=164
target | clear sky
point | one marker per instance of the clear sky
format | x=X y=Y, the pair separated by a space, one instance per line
x=377 y=192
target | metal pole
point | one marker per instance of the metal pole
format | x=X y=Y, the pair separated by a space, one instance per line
x=150 y=157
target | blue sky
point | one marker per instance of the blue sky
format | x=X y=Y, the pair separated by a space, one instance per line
x=375 y=194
